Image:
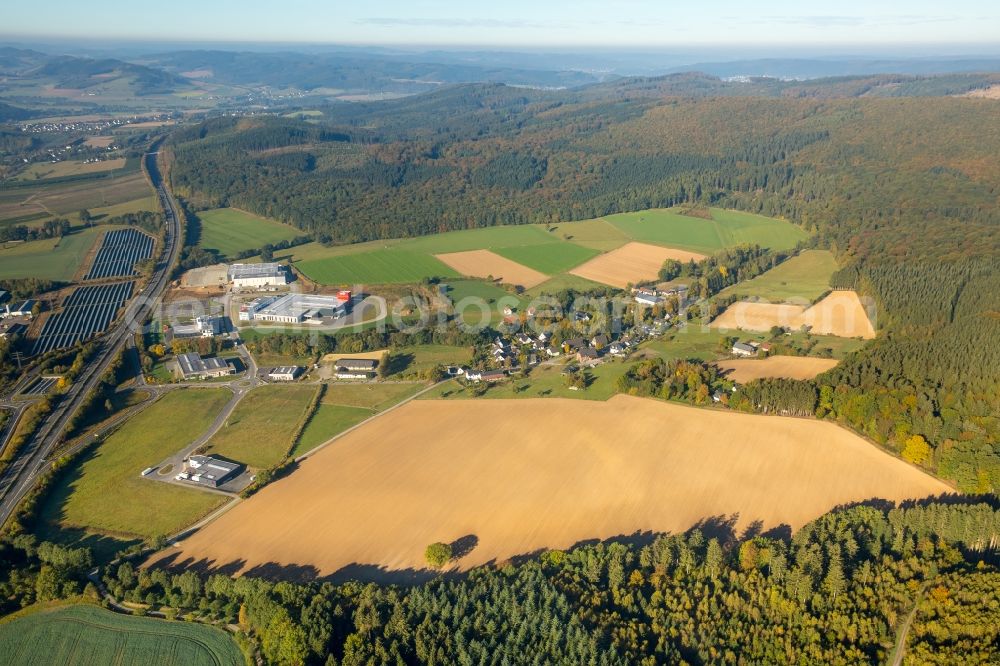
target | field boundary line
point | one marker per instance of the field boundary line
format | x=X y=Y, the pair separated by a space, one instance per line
x=354 y=427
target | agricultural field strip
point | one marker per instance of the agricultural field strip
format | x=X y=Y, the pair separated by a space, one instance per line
x=120 y=250
x=87 y=311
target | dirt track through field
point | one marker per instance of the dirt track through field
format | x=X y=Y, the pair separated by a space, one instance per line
x=841 y=313
x=790 y=367
x=516 y=476
x=631 y=263
x=483 y=263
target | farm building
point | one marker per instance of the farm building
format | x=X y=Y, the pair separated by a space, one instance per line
x=285 y=373
x=743 y=349
x=494 y=376
x=355 y=368
x=22 y=309
x=192 y=365
x=257 y=275
x=300 y=309
x=208 y=471
x=205 y=327
x=12 y=329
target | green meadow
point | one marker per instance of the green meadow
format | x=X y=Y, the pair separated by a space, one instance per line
x=553 y=249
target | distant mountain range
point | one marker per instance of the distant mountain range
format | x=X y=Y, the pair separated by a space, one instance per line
x=359 y=73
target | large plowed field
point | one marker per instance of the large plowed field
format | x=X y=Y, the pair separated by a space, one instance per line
x=789 y=367
x=516 y=476
x=631 y=263
x=841 y=313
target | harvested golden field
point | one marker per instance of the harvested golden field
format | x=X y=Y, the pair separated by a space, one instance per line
x=485 y=264
x=992 y=92
x=841 y=313
x=743 y=370
x=631 y=263
x=516 y=476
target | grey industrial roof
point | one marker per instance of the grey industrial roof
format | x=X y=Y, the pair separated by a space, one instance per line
x=237 y=271
x=192 y=363
x=356 y=363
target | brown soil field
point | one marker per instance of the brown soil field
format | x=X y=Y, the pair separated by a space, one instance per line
x=631 y=263
x=790 y=367
x=99 y=141
x=841 y=313
x=517 y=476
x=484 y=264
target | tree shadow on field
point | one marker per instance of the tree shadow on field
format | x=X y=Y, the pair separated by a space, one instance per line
x=463 y=546
x=398 y=362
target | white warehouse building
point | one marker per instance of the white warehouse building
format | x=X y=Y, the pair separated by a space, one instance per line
x=299 y=309
x=257 y=275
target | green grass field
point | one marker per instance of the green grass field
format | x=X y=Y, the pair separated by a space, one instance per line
x=803 y=277
x=376 y=267
x=549 y=258
x=260 y=430
x=694 y=341
x=105 y=494
x=414 y=360
x=551 y=249
x=374 y=397
x=544 y=381
x=52 y=258
x=230 y=231
x=328 y=421
x=346 y=405
x=726 y=229
x=79 y=635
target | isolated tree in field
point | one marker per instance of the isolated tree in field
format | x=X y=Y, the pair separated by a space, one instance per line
x=437 y=554
x=85 y=217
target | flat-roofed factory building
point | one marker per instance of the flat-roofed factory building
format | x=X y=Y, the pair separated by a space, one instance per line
x=193 y=366
x=298 y=309
x=208 y=471
x=257 y=275
x=284 y=373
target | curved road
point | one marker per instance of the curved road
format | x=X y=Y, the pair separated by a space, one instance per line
x=18 y=478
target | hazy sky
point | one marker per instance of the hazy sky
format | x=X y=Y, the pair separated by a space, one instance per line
x=632 y=23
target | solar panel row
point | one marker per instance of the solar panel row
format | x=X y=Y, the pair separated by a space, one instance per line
x=87 y=311
x=120 y=250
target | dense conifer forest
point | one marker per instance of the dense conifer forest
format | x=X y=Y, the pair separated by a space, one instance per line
x=836 y=591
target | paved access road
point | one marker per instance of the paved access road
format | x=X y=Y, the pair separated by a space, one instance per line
x=18 y=478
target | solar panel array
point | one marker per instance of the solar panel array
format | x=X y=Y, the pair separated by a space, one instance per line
x=87 y=311
x=119 y=252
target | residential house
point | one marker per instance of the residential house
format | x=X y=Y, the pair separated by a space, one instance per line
x=588 y=355
x=599 y=341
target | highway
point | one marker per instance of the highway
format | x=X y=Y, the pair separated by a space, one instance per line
x=19 y=477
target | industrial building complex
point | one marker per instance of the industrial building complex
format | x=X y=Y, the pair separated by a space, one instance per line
x=257 y=275
x=296 y=308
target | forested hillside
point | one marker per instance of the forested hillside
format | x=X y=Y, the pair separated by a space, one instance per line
x=838 y=591
x=905 y=191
